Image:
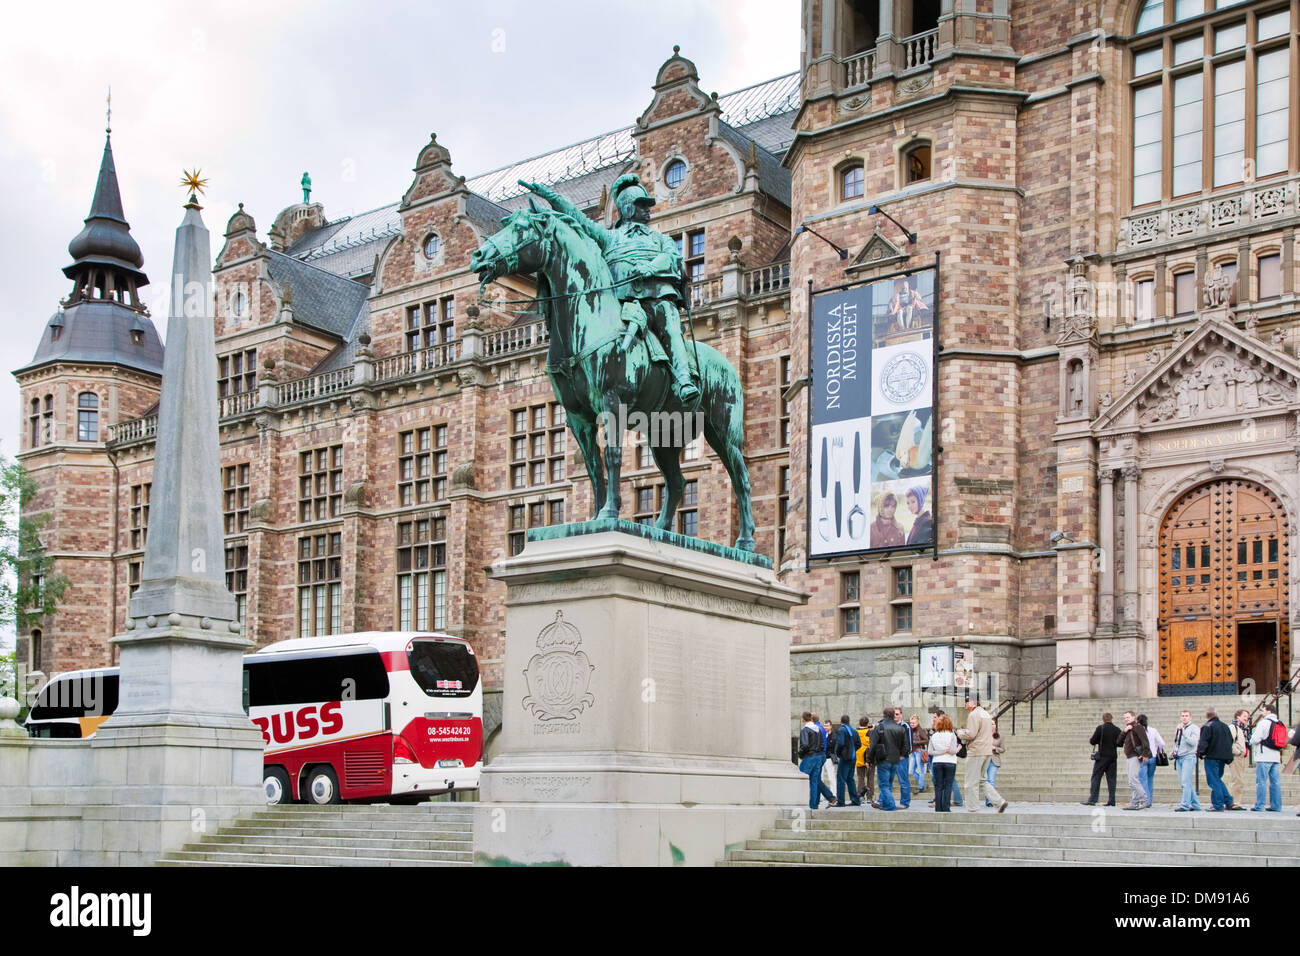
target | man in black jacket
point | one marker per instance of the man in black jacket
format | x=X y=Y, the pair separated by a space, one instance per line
x=1215 y=748
x=889 y=746
x=812 y=755
x=1106 y=739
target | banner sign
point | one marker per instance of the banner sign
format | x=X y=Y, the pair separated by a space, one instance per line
x=871 y=422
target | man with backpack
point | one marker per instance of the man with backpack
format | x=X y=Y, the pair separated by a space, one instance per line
x=846 y=750
x=812 y=754
x=1268 y=740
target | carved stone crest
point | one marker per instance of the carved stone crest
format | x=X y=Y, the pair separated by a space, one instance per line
x=559 y=674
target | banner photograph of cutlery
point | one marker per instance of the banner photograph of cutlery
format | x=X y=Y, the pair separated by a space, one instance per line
x=869 y=466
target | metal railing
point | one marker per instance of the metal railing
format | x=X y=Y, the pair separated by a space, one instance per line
x=859 y=69
x=1286 y=689
x=1038 y=690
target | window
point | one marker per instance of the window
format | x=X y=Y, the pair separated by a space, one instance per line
x=422 y=466
x=34 y=651
x=537 y=445
x=1184 y=293
x=234 y=484
x=430 y=324
x=139 y=515
x=34 y=435
x=237 y=577
x=916 y=163
x=237 y=373
x=133 y=569
x=431 y=245
x=783 y=421
x=688 y=515
x=47 y=421
x=1144 y=300
x=674 y=174
x=87 y=417
x=1270 y=276
x=1224 y=101
x=690 y=246
x=320 y=483
x=422 y=574
x=538 y=514
x=850 y=604
x=648 y=503
x=852 y=182
x=901 y=605
x=320 y=587
x=782 y=507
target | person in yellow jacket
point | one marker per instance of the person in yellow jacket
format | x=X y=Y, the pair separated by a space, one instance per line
x=866 y=772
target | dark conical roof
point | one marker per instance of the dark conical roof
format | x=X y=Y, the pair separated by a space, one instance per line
x=106 y=238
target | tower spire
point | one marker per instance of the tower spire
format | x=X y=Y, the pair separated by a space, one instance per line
x=108 y=118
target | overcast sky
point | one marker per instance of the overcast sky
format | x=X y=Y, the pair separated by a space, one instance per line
x=255 y=93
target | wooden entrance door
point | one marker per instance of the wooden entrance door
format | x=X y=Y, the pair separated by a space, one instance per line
x=1223 y=586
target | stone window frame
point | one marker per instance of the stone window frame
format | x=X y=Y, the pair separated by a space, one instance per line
x=422 y=466
x=785 y=378
x=782 y=506
x=438 y=249
x=674 y=159
x=1204 y=26
x=688 y=509
x=849 y=614
x=34 y=650
x=430 y=324
x=237 y=575
x=904 y=152
x=34 y=425
x=1156 y=310
x=88 y=416
x=320 y=486
x=319 y=583
x=421 y=592
x=1257 y=274
x=687 y=242
x=521 y=516
x=902 y=587
x=237 y=372
x=235 y=496
x=1175 y=271
x=522 y=446
x=138 y=514
x=838 y=181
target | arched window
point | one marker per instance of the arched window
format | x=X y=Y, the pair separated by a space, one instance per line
x=1211 y=102
x=47 y=421
x=1184 y=292
x=34 y=651
x=34 y=436
x=87 y=417
x=916 y=162
x=431 y=245
x=675 y=174
x=1269 y=268
x=852 y=182
x=1144 y=299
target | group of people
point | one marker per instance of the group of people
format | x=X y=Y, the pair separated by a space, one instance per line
x=896 y=752
x=1222 y=749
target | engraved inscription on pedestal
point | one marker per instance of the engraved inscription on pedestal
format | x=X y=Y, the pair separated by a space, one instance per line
x=559 y=675
x=722 y=676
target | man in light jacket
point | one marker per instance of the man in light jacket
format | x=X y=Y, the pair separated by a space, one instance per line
x=1186 y=738
x=978 y=736
x=1137 y=751
x=1268 y=763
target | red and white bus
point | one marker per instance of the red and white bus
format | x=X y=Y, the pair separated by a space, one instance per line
x=352 y=717
x=367 y=716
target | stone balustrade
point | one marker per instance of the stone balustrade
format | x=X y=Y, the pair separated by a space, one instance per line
x=1251 y=205
x=768 y=279
x=412 y=363
x=516 y=338
x=238 y=403
x=313 y=387
x=133 y=430
x=859 y=69
x=918 y=49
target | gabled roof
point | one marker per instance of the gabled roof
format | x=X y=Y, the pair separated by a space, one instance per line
x=1218 y=370
x=773 y=178
x=321 y=299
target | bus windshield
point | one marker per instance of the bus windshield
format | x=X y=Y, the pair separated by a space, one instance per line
x=91 y=695
x=443 y=668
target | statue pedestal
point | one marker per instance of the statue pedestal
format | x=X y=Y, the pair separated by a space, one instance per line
x=646 y=704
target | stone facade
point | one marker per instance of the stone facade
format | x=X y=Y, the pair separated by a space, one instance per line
x=999 y=131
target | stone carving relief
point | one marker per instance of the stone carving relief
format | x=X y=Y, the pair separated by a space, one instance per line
x=1220 y=384
x=1218 y=289
x=559 y=674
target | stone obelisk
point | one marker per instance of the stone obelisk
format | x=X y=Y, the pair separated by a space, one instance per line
x=180 y=711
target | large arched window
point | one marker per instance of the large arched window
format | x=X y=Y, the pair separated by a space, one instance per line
x=916 y=162
x=1212 y=101
x=852 y=181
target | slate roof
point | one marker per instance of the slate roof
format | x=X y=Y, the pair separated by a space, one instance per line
x=99 y=332
x=321 y=299
x=761 y=113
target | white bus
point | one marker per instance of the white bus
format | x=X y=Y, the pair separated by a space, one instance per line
x=370 y=716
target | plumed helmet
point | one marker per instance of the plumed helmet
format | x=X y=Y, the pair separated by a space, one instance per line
x=628 y=192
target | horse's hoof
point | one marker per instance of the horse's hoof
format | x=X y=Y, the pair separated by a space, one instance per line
x=606 y=513
x=744 y=544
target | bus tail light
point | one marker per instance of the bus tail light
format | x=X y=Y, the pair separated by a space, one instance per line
x=402 y=751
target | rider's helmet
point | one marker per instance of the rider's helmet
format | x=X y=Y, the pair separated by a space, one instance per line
x=629 y=193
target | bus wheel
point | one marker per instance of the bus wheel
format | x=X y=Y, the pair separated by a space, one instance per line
x=322 y=786
x=276 y=784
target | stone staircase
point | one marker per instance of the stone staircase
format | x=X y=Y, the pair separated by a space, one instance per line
x=1036 y=836
x=431 y=834
x=1052 y=765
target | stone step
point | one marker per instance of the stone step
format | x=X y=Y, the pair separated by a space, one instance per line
x=1281 y=824
x=898 y=861
x=938 y=855
x=248 y=828
x=238 y=836
x=410 y=823
x=273 y=848
x=292 y=858
x=1151 y=843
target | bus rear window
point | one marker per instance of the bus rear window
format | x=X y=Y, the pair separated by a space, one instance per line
x=94 y=695
x=443 y=668
x=309 y=680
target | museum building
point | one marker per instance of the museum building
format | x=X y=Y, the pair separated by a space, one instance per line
x=1109 y=193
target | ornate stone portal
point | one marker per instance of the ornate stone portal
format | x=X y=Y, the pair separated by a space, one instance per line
x=647 y=694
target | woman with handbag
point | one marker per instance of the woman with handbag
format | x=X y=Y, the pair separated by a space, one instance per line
x=1159 y=758
x=999 y=748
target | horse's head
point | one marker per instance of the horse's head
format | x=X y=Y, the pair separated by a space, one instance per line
x=518 y=247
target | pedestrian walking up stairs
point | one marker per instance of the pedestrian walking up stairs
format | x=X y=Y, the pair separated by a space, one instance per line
x=1052 y=765
x=1029 y=836
x=431 y=834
